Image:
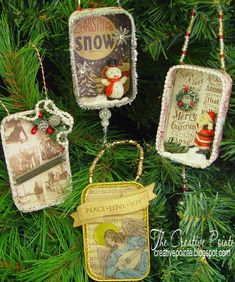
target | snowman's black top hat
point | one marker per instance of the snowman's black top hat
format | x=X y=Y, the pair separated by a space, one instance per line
x=112 y=63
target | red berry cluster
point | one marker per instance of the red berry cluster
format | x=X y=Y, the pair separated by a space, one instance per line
x=49 y=129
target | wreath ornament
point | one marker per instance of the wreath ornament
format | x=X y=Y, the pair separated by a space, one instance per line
x=189 y=94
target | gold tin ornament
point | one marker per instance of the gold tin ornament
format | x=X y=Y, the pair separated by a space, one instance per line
x=114 y=216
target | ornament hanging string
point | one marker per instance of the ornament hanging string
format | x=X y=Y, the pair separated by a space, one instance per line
x=119 y=4
x=184 y=180
x=79 y=6
x=42 y=70
x=57 y=117
x=4 y=107
x=220 y=35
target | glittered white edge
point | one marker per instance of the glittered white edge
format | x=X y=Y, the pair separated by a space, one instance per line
x=77 y=15
x=23 y=115
x=222 y=112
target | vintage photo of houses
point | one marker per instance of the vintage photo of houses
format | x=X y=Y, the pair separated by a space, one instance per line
x=37 y=165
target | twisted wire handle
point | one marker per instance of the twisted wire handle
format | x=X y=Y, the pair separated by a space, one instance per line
x=109 y=146
x=42 y=70
x=43 y=78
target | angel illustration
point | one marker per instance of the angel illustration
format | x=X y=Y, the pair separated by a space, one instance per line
x=124 y=254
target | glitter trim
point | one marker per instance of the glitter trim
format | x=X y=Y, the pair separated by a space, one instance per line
x=222 y=112
x=25 y=115
x=77 y=15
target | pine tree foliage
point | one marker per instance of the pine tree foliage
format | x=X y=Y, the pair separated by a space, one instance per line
x=44 y=246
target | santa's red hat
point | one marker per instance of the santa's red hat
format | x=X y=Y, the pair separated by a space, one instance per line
x=212 y=116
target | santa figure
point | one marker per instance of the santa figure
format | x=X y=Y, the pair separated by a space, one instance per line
x=205 y=133
x=114 y=83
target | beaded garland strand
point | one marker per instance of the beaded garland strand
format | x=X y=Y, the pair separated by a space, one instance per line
x=220 y=36
x=187 y=37
x=221 y=39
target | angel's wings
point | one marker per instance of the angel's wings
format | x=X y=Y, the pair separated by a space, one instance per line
x=134 y=227
x=103 y=255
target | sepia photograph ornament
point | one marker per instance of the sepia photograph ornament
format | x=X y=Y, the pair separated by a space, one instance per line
x=36 y=152
x=114 y=218
x=103 y=59
x=194 y=108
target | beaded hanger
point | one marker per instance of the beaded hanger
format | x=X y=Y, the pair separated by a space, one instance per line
x=220 y=36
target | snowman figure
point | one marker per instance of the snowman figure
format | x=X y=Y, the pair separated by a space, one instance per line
x=114 y=88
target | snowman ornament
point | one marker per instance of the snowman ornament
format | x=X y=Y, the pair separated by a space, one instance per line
x=114 y=82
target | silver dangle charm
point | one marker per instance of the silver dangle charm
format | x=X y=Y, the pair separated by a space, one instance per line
x=105 y=115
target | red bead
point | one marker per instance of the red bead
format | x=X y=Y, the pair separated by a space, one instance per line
x=221 y=36
x=34 y=130
x=79 y=8
x=187 y=33
x=221 y=55
x=184 y=52
x=50 y=130
x=41 y=114
x=221 y=16
x=193 y=14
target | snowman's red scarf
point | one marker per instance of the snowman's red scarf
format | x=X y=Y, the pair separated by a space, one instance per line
x=109 y=88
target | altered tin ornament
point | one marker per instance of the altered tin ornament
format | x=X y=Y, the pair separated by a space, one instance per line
x=36 y=152
x=194 y=108
x=103 y=58
x=114 y=217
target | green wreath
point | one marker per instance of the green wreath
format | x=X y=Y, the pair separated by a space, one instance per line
x=187 y=92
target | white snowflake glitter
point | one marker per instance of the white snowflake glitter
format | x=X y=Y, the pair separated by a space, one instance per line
x=83 y=69
x=121 y=35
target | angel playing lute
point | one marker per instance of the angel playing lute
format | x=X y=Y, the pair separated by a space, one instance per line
x=125 y=254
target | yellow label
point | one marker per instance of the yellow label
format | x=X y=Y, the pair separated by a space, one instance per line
x=94 y=37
